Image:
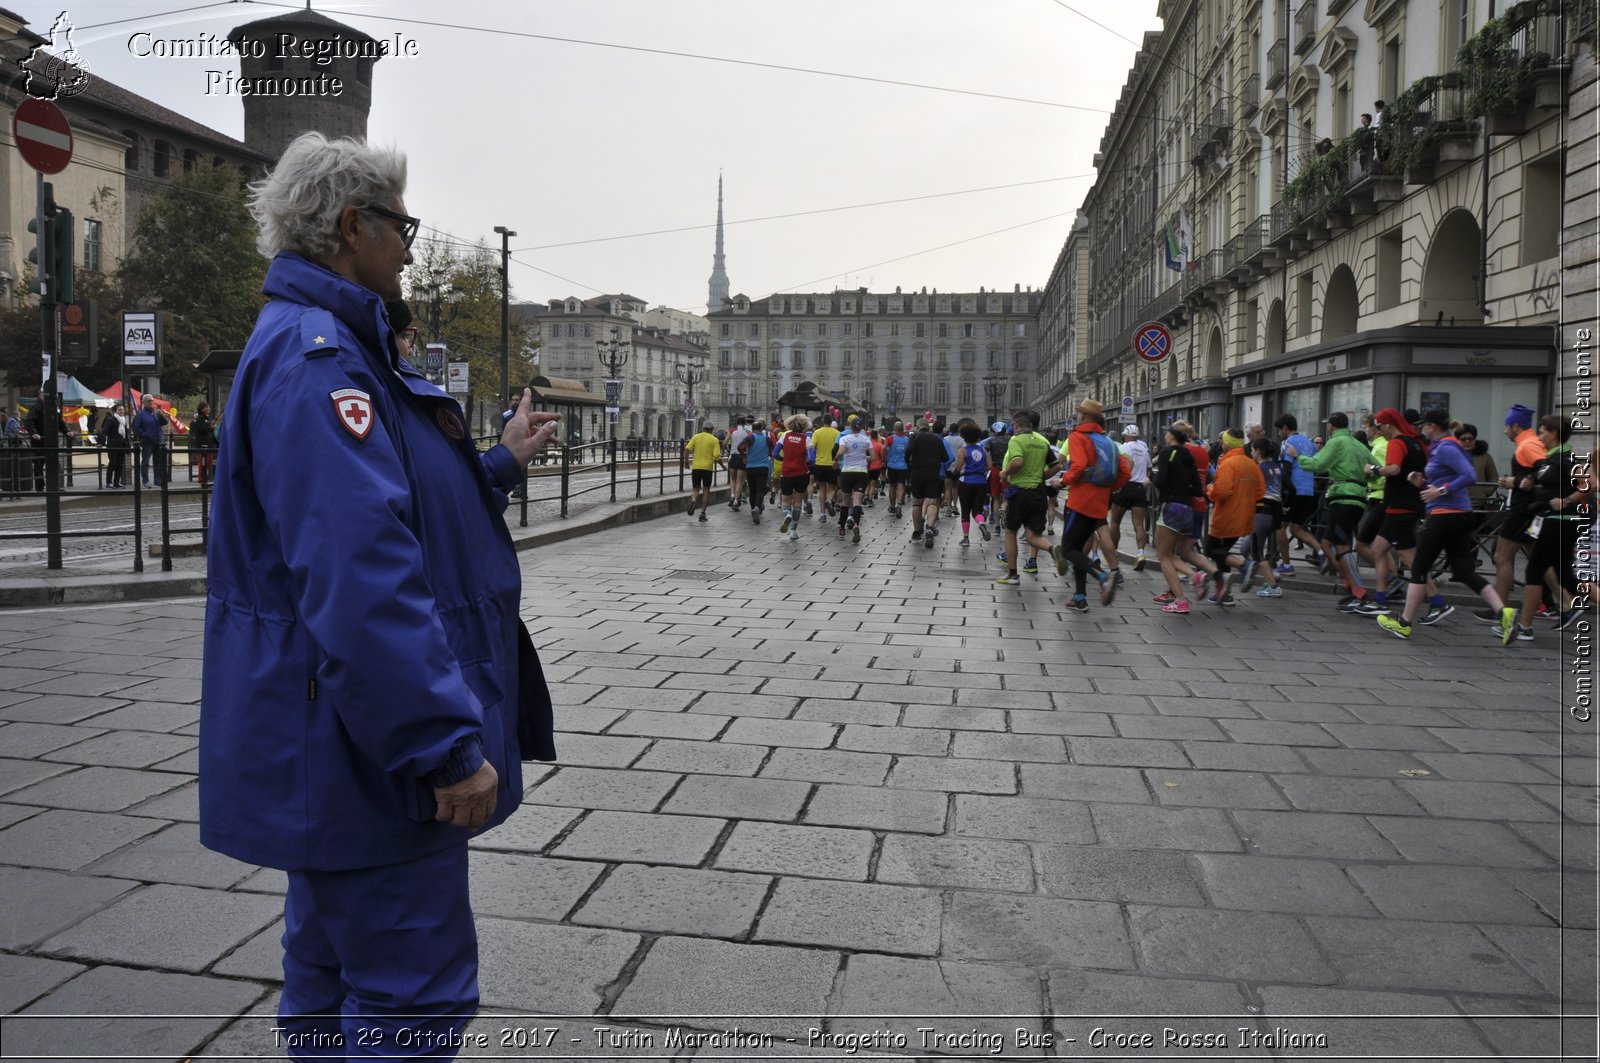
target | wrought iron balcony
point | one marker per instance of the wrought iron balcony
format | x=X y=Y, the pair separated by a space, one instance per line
x=1277 y=64
x=1250 y=97
x=1305 y=27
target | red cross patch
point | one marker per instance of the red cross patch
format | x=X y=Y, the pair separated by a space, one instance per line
x=354 y=409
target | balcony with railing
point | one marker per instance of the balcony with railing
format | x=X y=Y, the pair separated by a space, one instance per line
x=1305 y=27
x=1250 y=96
x=1277 y=64
x=1514 y=62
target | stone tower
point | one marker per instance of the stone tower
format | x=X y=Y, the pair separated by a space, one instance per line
x=286 y=49
x=718 y=297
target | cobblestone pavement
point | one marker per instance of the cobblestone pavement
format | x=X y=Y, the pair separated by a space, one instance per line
x=814 y=790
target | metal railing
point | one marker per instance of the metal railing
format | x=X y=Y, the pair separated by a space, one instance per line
x=1277 y=63
x=1305 y=27
x=1250 y=96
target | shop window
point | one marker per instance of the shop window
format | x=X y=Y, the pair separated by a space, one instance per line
x=1391 y=248
x=1541 y=208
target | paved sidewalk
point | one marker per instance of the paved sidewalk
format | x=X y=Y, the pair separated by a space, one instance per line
x=814 y=780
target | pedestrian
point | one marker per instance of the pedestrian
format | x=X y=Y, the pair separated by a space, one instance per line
x=114 y=432
x=1268 y=517
x=1563 y=499
x=1176 y=482
x=1095 y=470
x=972 y=480
x=894 y=461
x=925 y=458
x=1134 y=497
x=1022 y=475
x=1234 y=492
x=1528 y=451
x=1447 y=530
x=875 y=467
x=823 y=441
x=757 y=455
x=736 y=462
x=149 y=426
x=1345 y=462
x=368 y=692
x=33 y=428
x=704 y=452
x=203 y=438
x=796 y=474
x=1402 y=505
x=854 y=454
x=1299 y=493
x=1484 y=470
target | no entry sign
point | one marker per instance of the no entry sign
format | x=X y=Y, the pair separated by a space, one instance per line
x=1152 y=342
x=42 y=135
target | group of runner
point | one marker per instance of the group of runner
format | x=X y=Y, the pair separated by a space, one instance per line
x=1225 y=516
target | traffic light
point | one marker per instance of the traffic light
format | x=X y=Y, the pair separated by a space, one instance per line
x=43 y=228
x=61 y=256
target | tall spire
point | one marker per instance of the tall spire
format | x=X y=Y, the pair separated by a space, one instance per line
x=718 y=297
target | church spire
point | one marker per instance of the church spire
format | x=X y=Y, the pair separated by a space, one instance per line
x=718 y=297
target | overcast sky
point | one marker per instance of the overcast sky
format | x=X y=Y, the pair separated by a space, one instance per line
x=570 y=143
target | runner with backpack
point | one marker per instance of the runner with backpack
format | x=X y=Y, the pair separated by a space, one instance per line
x=1095 y=469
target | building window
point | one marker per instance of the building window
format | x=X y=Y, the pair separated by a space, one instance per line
x=941 y=395
x=968 y=358
x=944 y=329
x=822 y=329
x=849 y=329
x=822 y=359
x=726 y=328
x=921 y=330
x=894 y=328
x=1541 y=208
x=894 y=359
x=163 y=161
x=869 y=358
x=130 y=157
x=1252 y=324
x=572 y=331
x=966 y=329
x=849 y=360
x=91 y=245
x=1391 y=247
x=588 y=331
x=755 y=331
x=966 y=396
x=1303 y=296
x=1019 y=360
x=994 y=359
x=866 y=329
x=919 y=394
x=190 y=159
x=1018 y=393
x=725 y=361
x=994 y=330
x=919 y=362
x=1021 y=329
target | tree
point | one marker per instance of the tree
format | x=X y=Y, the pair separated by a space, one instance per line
x=473 y=334
x=194 y=255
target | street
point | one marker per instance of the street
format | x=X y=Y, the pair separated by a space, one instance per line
x=821 y=799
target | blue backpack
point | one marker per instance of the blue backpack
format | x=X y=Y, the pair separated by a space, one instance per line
x=1107 y=460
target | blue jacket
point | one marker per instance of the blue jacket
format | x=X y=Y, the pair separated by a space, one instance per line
x=362 y=631
x=148 y=426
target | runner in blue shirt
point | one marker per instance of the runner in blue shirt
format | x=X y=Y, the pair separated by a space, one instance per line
x=1300 y=507
x=894 y=460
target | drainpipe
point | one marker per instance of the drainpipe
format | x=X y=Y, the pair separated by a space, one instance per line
x=1483 y=226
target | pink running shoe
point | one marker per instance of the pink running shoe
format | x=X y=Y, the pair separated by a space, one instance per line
x=1198 y=579
x=1179 y=606
x=1163 y=598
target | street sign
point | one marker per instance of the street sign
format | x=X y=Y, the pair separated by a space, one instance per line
x=613 y=394
x=42 y=135
x=78 y=335
x=1127 y=403
x=456 y=378
x=140 y=340
x=1152 y=342
x=689 y=410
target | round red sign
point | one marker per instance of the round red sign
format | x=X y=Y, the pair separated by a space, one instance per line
x=42 y=135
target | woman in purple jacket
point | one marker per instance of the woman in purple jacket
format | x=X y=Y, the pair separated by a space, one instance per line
x=1447 y=530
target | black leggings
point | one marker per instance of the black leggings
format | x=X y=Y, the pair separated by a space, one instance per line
x=1554 y=549
x=757 y=477
x=973 y=498
x=1076 y=531
x=1449 y=534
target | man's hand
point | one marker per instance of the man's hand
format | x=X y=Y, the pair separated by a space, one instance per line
x=470 y=802
x=527 y=432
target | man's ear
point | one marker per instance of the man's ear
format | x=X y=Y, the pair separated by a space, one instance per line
x=350 y=227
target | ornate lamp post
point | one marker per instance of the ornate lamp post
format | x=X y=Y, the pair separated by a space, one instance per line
x=505 y=309
x=613 y=354
x=689 y=376
x=895 y=391
x=994 y=388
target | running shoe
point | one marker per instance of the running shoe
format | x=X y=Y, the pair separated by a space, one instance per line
x=1247 y=577
x=1368 y=607
x=1436 y=613
x=870 y=504
x=690 y=512
x=808 y=509
x=1094 y=557
x=1050 y=529
x=1031 y=566
x=1348 y=603
x=1180 y=605
x=785 y=525
x=1138 y=562
x=1001 y=557
x=841 y=531
x=1270 y=592
x=1164 y=597
x=983 y=530
x=833 y=508
x=1116 y=574
x=1199 y=580
x=1010 y=579
x=1060 y=557
x=1398 y=628
x=1078 y=603
x=1283 y=570
x=1488 y=616
x=1569 y=618
x=966 y=540
x=916 y=536
x=1398 y=585
x=1108 y=590
x=794 y=535
x=1523 y=634
x=1226 y=600
x=755 y=516
x=927 y=538
x=1508 y=625
x=1546 y=613
x=855 y=533
x=702 y=518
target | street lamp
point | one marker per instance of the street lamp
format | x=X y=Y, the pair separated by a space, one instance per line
x=895 y=392
x=994 y=388
x=441 y=294
x=689 y=376
x=613 y=354
x=505 y=310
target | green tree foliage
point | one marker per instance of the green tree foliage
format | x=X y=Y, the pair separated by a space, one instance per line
x=194 y=255
x=466 y=281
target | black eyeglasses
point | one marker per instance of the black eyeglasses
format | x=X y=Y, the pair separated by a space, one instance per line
x=408 y=224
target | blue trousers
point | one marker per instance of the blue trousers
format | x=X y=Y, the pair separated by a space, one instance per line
x=380 y=962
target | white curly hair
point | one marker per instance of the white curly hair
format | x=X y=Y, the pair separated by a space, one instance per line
x=297 y=205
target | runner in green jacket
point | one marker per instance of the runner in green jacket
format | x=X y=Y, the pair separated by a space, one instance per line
x=1344 y=460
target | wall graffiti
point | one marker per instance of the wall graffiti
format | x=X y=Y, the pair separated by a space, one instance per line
x=1544 y=291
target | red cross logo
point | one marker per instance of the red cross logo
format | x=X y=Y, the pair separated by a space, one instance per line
x=354 y=409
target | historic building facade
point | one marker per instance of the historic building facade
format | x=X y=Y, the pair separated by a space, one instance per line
x=574 y=333
x=1304 y=262
x=957 y=354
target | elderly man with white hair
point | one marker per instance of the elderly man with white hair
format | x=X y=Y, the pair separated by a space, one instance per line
x=368 y=690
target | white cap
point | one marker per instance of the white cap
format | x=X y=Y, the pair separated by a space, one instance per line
x=1130 y=429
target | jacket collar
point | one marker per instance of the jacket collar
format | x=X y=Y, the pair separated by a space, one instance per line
x=298 y=279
